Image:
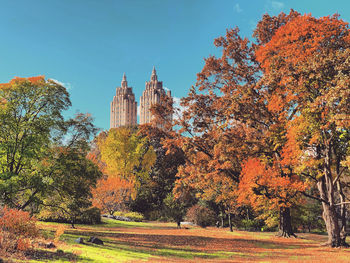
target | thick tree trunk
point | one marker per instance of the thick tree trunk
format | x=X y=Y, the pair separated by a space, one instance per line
x=329 y=213
x=327 y=190
x=331 y=220
x=285 y=223
x=230 y=222
x=342 y=215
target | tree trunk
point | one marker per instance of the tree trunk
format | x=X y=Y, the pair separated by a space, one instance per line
x=230 y=222
x=178 y=224
x=327 y=189
x=332 y=226
x=72 y=222
x=329 y=213
x=342 y=206
x=285 y=223
x=222 y=218
x=342 y=214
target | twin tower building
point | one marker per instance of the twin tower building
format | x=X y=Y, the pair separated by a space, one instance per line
x=124 y=106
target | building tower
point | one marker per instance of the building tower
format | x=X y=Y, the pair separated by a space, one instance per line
x=151 y=95
x=123 y=106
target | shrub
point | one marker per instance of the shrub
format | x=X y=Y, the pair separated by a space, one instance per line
x=201 y=216
x=88 y=216
x=253 y=224
x=153 y=215
x=133 y=216
x=52 y=215
x=18 y=222
x=17 y=228
x=59 y=232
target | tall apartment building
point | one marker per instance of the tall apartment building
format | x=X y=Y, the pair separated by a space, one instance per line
x=151 y=95
x=123 y=106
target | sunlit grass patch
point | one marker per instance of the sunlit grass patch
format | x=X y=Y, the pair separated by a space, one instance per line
x=192 y=254
x=264 y=254
x=179 y=253
x=300 y=258
x=95 y=253
x=112 y=223
x=255 y=235
x=225 y=254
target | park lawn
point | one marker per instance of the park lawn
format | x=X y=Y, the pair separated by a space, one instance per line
x=162 y=242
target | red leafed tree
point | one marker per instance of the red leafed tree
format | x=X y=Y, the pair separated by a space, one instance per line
x=306 y=62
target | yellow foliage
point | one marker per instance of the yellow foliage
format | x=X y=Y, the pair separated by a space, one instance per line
x=126 y=154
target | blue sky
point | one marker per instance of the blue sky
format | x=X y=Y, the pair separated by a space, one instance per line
x=88 y=44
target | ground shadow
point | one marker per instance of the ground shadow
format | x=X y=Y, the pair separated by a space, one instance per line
x=39 y=254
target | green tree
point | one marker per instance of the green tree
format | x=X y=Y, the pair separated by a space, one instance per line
x=174 y=208
x=30 y=119
x=72 y=174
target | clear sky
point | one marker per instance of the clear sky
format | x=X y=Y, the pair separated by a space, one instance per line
x=89 y=44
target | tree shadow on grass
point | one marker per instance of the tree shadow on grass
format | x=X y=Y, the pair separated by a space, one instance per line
x=114 y=223
x=46 y=255
x=184 y=240
x=190 y=246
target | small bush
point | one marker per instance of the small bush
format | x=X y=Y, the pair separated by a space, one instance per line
x=59 y=232
x=89 y=216
x=18 y=222
x=17 y=229
x=153 y=215
x=253 y=224
x=52 y=215
x=133 y=216
x=201 y=216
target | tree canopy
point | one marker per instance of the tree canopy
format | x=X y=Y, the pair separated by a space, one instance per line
x=270 y=118
x=31 y=118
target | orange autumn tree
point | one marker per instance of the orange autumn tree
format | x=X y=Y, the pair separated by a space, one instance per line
x=263 y=187
x=230 y=117
x=112 y=194
x=307 y=63
x=209 y=135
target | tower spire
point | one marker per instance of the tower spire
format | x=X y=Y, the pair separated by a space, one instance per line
x=124 y=81
x=154 y=74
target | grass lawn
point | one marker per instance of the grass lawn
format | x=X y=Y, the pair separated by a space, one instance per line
x=162 y=242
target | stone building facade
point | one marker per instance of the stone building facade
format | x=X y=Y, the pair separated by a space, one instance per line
x=123 y=106
x=151 y=95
